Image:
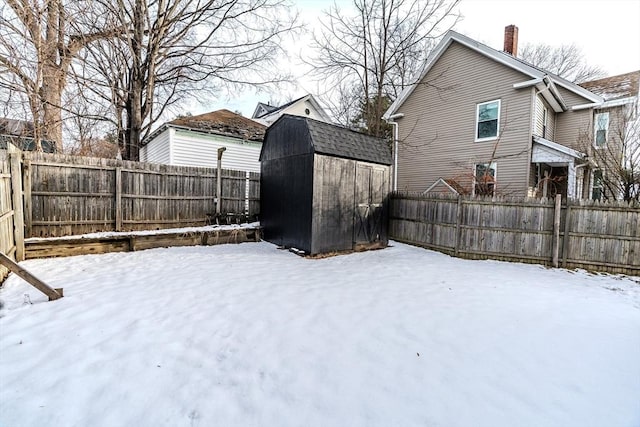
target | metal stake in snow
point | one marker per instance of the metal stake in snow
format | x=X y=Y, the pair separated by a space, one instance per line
x=53 y=294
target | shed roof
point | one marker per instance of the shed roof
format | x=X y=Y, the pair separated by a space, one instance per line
x=339 y=141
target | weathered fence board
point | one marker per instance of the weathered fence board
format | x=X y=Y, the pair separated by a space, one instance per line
x=594 y=236
x=11 y=209
x=7 y=242
x=76 y=195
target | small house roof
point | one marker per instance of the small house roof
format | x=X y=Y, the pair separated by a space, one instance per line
x=615 y=87
x=339 y=141
x=223 y=122
x=220 y=122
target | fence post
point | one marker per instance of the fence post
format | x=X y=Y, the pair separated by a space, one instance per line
x=565 y=238
x=18 y=211
x=458 y=226
x=219 y=180
x=556 y=229
x=28 y=206
x=118 y=197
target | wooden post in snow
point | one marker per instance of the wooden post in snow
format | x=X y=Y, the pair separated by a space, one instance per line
x=556 y=229
x=16 y=194
x=219 y=180
x=53 y=294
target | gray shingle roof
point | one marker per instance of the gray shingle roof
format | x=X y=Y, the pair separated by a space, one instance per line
x=342 y=142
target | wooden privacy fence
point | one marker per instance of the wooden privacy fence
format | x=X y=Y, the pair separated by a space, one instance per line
x=579 y=234
x=11 y=215
x=67 y=195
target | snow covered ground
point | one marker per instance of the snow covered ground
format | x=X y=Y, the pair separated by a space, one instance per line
x=249 y=335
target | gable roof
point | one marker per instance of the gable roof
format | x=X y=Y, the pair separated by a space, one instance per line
x=334 y=140
x=220 y=122
x=263 y=109
x=268 y=109
x=615 y=87
x=539 y=77
x=273 y=111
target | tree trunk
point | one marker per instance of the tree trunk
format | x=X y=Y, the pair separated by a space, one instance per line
x=53 y=83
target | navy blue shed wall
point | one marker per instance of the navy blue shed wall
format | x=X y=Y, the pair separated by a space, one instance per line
x=286 y=186
x=286 y=200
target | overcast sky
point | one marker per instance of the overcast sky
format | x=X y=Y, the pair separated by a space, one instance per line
x=607 y=31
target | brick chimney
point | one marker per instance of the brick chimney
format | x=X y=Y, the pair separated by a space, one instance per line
x=511 y=40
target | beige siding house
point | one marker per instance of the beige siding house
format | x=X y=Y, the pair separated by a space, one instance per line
x=481 y=121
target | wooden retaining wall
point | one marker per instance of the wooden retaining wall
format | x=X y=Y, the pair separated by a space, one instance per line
x=47 y=248
x=70 y=195
x=581 y=234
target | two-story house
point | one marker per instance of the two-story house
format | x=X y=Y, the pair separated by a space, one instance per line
x=482 y=121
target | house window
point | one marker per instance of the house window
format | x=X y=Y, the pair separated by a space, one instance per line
x=487 y=120
x=601 y=129
x=598 y=187
x=545 y=114
x=484 y=179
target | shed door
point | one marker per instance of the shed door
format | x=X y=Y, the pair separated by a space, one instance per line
x=371 y=182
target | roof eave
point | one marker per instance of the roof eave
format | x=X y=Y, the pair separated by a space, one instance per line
x=496 y=56
x=559 y=147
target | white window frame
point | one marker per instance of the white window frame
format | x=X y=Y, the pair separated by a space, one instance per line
x=492 y=165
x=596 y=122
x=489 y=138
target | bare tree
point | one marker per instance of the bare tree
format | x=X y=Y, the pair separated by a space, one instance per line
x=616 y=153
x=39 y=39
x=374 y=51
x=566 y=61
x=178 y=49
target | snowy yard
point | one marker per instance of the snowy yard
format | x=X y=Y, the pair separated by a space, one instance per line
x=249 y=335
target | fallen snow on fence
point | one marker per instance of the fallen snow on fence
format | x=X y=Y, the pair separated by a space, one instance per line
x=249 y=335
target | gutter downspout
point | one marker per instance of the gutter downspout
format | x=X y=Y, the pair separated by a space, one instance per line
x=393 y=123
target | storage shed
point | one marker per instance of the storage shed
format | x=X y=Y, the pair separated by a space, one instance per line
x=324 y=188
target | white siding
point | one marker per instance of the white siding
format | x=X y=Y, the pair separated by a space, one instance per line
x=200 y=149
x=297 y=109
x=158 y=150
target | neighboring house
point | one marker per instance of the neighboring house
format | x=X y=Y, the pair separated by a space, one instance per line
x=306 y=106
x=616 y=130
x=194 y=141
x=20 y=133
x=481 y=121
